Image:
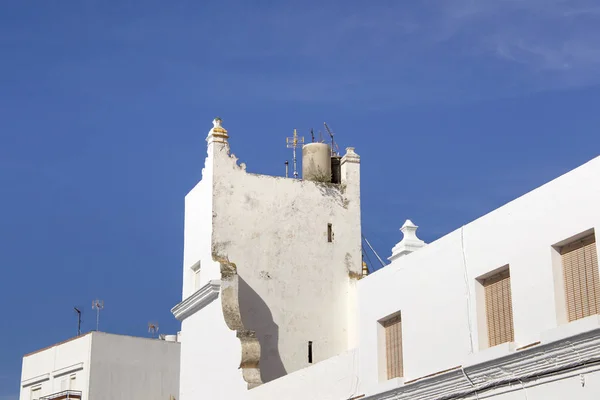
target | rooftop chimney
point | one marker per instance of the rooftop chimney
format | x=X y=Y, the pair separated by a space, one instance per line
x=409 y=243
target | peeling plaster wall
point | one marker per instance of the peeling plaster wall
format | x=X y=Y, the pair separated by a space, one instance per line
x=294 y=286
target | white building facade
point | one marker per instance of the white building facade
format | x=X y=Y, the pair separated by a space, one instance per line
x=100 y=366
x=274 y=304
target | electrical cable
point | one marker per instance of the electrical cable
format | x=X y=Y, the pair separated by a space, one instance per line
x=468 y=297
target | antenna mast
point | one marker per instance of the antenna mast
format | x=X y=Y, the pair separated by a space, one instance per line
x=97 y=305
x=152 y=328
x=374 y=252
x=78 y=311
x=334 y=148
x=292 y=143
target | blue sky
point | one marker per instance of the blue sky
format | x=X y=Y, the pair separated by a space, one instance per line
x=455 y=108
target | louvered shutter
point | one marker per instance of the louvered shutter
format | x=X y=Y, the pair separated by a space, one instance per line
x=498 y=304
x=582 y=284
x=393 y=347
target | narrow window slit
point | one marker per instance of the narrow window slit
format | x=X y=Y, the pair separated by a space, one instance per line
x=329 y=233
x=310 y=358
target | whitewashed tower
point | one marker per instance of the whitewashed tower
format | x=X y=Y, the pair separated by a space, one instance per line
x=270 y=268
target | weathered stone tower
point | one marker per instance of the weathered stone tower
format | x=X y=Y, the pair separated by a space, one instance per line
x=283 y=255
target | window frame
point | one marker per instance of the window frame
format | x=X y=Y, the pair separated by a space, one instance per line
x=196 y=269
x=383 y=326
x=35 y=389
x=581 y=291
x=560 y=289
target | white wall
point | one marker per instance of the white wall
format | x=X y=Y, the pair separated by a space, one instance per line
x=292 y=289
x=428 y=287
x=50 y=366
x=105 y=366
x=133 y=368
x=333 y=379
x=210 y=357
x=197 y=234
x=275 y=232
x=296 y=286
x=435 y=288
x=582 y=384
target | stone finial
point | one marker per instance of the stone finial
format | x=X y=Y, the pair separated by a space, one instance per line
x=350 y=156
x=409 y=243
x=217 y=133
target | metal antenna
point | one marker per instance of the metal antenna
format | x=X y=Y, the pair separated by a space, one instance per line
x=312 y=135
x=334 y=148
x=152 y=328
x=293 y=142
x=97 y=305
x=78 y=311
x=374 y=252
x=287 y=166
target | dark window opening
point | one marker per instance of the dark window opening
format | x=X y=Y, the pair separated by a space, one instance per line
x=329 y=233
x=310 y=352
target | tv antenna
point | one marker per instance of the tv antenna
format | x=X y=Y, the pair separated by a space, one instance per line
x=78 y=311
x=373 y=250
x=287 y=166
x=334 y=148
x=153 y=328
x=292 y=143
x=312 y=135
x=97 y=305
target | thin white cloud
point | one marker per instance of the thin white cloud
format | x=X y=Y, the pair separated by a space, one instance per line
x=541 y=44
x=382 y=53
x=554 y=36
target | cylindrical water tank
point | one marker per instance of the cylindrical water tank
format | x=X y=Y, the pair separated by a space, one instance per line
x=316 y=162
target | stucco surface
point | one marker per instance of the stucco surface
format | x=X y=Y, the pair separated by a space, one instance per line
x=133 y=368
x=435 y=288
x=106 y=366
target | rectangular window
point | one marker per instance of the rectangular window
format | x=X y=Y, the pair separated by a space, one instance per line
x=393 y=346
x=72 y=382
x=196 y=276
x=582 y=285
x=36 y=393
x=329 y=233
x=498 y=307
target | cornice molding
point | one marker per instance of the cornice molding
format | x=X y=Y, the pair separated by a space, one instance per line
x=233 y=318
x=518 y=366
x=66 y=370
x=197 y=301
x=35 y=379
